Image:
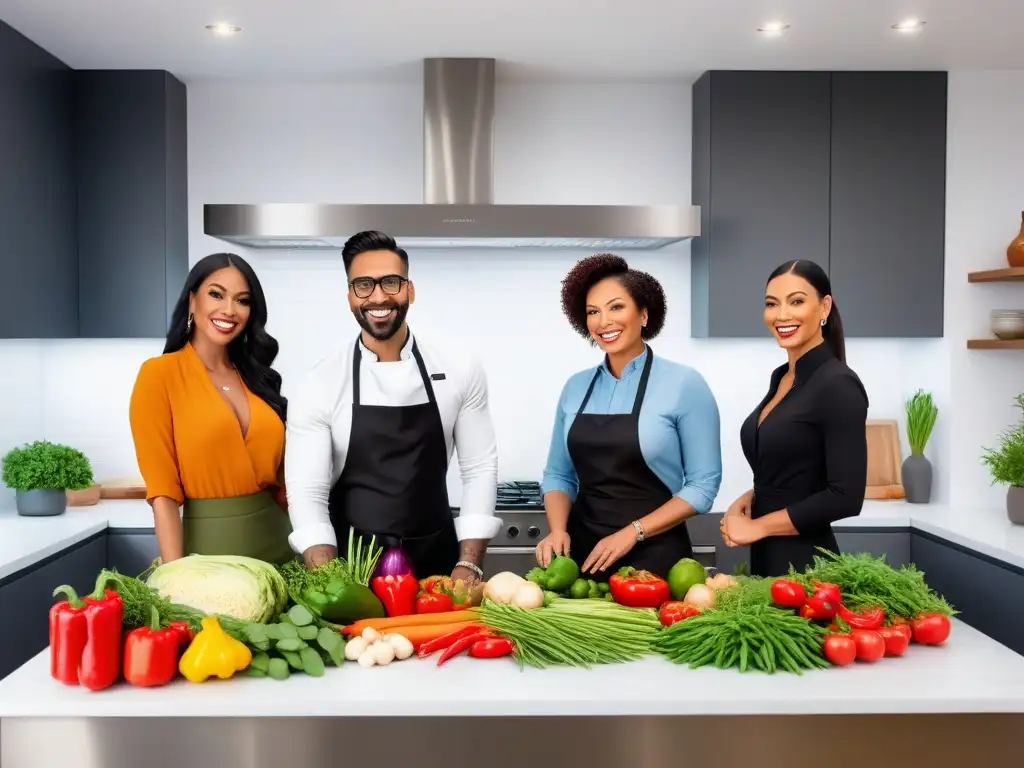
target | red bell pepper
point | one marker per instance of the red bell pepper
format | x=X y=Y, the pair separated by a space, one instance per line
x=674 y=611
x=183 y=629
x=828 y=592
x=85 y=636
x=871 y=618
x=151 y=653
x=818 y=608
x=491 y=648
x=434 y=602
x=638 y=589
x=397 y=593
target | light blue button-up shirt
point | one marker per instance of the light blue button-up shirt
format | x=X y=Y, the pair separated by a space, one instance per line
x=680 y=432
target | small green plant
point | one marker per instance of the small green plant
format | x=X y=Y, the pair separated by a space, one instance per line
x=43 y=464
x=921 y=415
x=1006 y=465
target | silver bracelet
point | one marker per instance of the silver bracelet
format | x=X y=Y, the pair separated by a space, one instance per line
x=640 y=534
x=471 y=566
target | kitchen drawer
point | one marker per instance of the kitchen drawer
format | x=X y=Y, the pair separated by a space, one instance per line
x=131 y=552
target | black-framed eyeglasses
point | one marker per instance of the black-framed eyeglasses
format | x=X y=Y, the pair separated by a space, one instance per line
x=390 y=284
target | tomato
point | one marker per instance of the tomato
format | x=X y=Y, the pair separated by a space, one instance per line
x=840 y=649
x=896 y=640
x=674 y=611
x=870 y=645
x=789 y=594
x=930 y=629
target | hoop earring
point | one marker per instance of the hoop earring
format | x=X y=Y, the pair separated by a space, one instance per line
x=188 y=325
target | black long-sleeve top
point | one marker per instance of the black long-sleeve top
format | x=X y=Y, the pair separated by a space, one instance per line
x=809 y=456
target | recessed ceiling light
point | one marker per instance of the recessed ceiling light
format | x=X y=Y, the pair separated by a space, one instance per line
x=773 y=28
x=223 y=30
x=908 y=26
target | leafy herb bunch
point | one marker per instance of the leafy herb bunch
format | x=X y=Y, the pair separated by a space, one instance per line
x=43 y=464
x=1006 y=464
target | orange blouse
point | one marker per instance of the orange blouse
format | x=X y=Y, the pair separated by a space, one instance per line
x=188 y=442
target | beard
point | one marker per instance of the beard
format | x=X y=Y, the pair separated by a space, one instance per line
x=382 y=330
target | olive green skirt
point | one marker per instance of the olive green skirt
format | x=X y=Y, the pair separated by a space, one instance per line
x=251 y=526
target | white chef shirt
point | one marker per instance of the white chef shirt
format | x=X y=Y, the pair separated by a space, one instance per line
x=320 y=423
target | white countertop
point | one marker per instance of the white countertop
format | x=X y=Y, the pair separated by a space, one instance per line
x=26 y=540
x=971 y=673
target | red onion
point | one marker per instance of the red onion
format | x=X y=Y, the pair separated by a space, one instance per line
x=393 y=562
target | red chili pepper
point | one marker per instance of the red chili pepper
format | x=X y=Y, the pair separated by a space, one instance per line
x=789 y=594
x=638 y=589
x=870 y=618
x=818 y=608
x=462 y=644
x=397 y=593
x=151 y=653
x=491 y=648
x=674 y=611
x=828 y=592
x=440 y=643
x=85 y=636
x=434 y=602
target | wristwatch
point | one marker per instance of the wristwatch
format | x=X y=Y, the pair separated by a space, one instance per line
x=640 y=534
x=471 y=566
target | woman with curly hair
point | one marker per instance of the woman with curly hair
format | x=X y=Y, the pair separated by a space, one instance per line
x=207 y=417
x=635 y=449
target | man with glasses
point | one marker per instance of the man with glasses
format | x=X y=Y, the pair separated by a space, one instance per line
x=372 y=429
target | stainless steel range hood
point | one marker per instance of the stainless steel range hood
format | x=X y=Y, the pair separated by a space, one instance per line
x=458 y=209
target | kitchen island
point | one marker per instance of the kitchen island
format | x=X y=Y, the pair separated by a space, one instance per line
x=934 y=706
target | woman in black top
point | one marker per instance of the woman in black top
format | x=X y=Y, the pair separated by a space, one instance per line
x=806 y=440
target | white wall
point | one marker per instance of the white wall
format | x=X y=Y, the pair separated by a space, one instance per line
x=554 y=144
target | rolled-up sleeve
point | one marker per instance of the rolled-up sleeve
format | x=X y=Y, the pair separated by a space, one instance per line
x=308 y=465
x=477 y=449
x=152 y=427
x=559 y=472
x=698 y=424
x=843 y=426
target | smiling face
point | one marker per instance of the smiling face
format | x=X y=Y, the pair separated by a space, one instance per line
x=613 y=318
x=379 y=293
x=793 y=311
x=220 y=307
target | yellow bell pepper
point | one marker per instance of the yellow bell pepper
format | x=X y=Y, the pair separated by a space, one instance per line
x=213 y=652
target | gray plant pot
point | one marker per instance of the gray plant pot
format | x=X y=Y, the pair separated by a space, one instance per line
x=917 y=479
x=41 y=502
x=1015 y=505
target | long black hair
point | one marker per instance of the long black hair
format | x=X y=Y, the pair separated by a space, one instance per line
x=253 y=351
x=832 y=331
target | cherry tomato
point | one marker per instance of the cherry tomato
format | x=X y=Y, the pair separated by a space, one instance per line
x=789 y=594
x=896 y=640
x=930 y=629
x=870 y=645
x=840 y=649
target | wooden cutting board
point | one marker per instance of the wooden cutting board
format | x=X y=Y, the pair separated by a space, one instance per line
x=123 y=488
x=885 y=460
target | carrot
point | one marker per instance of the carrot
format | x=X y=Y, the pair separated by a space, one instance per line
x=460 y=616
x=424 y=633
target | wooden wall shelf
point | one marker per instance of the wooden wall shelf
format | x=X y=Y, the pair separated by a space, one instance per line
x=995 y=344
x=1006 y=275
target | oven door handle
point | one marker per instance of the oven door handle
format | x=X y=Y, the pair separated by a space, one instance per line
x=698 y=550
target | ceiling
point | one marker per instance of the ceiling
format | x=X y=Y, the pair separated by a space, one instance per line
x=592 y=39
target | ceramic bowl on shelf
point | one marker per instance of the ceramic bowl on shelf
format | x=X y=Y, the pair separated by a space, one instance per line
x=1007 y=323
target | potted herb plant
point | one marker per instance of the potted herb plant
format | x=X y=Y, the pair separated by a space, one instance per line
x=1006 y=465
x=917 y=470
x=41 y=473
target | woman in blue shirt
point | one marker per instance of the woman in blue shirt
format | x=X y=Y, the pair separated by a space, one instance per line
x=636 y=446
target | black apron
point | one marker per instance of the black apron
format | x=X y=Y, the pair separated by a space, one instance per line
x=617 y=487
x=394 y=484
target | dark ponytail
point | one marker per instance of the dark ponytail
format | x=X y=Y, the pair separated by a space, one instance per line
x=832 y=331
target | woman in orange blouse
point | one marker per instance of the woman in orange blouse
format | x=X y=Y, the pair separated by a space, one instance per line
x=207 y=418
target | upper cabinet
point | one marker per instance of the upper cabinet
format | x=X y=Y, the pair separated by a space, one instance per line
x=93 y=197
x=846 y=169
x=38 y=251
x=130 y=147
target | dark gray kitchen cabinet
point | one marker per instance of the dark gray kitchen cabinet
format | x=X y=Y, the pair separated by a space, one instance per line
x=131 y=551
x=888 y=202
x=131 y=171
x=985 y=591
x=25 y=599
x=844 y=168
x=761 y=179
x=38 y=252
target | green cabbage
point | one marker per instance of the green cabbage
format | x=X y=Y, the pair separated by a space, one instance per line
x=240 y=587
